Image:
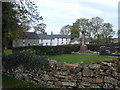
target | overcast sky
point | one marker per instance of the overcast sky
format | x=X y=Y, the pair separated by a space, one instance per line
x=57 y=13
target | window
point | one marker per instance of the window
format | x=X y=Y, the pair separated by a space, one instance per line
x=41 y=40
x=23 y=42
x=62 y=39
x=57 y=43
x=46 y=44
x=29 y=44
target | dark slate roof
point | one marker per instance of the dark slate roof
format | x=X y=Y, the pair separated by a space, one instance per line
x=78 y=39
x=32 y=35
x=75 y=39
x=52 y=36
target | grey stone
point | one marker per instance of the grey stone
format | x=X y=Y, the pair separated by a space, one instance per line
x=106 y=63
x=49 y=83
x=59 y=76
x=46 y=77
x=78 y=69
x=87 y=72
x=117 y=88
x=110 y=80
x=69 y=84
x=85 y=84
x=58 y=84
x=94 y=86
x=18 y=76
x=36 y=80
x=108 y=86
x=94 y=66
x=62 y=73
x=119 y=83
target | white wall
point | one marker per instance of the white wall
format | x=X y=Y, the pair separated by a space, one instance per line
x=75 y=42
x=54 y=42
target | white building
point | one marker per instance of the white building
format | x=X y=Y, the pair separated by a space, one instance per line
x=77 y=41
x=33 y=39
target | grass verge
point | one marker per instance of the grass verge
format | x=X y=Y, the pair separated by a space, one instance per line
x=8 y=51
x=77 y=58
x=10 y=82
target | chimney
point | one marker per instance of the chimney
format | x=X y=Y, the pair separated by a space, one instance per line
x=51 y=33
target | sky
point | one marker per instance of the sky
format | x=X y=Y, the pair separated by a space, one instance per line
x=58 y=13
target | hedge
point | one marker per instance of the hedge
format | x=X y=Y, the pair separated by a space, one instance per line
x=48 y=50
x=27 y=60
x=56 y=50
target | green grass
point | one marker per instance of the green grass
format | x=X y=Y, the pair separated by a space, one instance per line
x=76 y=58
x=11 y=82
x=8 y=51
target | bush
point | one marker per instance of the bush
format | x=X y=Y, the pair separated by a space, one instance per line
x=48 y=50
x=93 y=47
x=27 y=60
x=55 y=50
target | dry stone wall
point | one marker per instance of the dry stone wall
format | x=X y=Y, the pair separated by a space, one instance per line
x=105 y=74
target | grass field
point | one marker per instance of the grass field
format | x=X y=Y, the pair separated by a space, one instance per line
x=8 y=51
x=9 y=82
x=76 y=58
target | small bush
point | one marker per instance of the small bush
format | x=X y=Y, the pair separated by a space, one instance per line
x=28 y=60
x=48 y=50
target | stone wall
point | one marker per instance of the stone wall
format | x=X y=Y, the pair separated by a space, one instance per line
x=105 y=74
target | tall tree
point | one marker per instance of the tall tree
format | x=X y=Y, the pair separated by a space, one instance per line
x=84 y=24
x=40 y=28
x=74 y=32
x=96 y=23
x=95 y=29
x=78 y=26
x=10 y=23
x=17 y=18
x=101 y=30
x=65 y=30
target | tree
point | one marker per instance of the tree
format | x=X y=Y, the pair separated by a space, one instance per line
x=85 y=25
x=80 y=25
x=96 y=24
x=94 y=28
x=17 y=18
x=65 y=30
x=74 y=32
x=40 y=28
x=28 y=9
x=10 y=23
x=100 y=30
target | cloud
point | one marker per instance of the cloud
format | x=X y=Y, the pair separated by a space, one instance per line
x=57 y=13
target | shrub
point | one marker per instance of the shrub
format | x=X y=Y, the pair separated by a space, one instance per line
x=48 y=50
x=27 y=60
x=55 y=50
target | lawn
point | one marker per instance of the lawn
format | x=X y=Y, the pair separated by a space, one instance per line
x=8 y=51
x=77 y=58
x=10 y=82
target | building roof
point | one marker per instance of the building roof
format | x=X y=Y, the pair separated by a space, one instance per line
x=32 y=35
x=78 y=40
x=75 y=39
